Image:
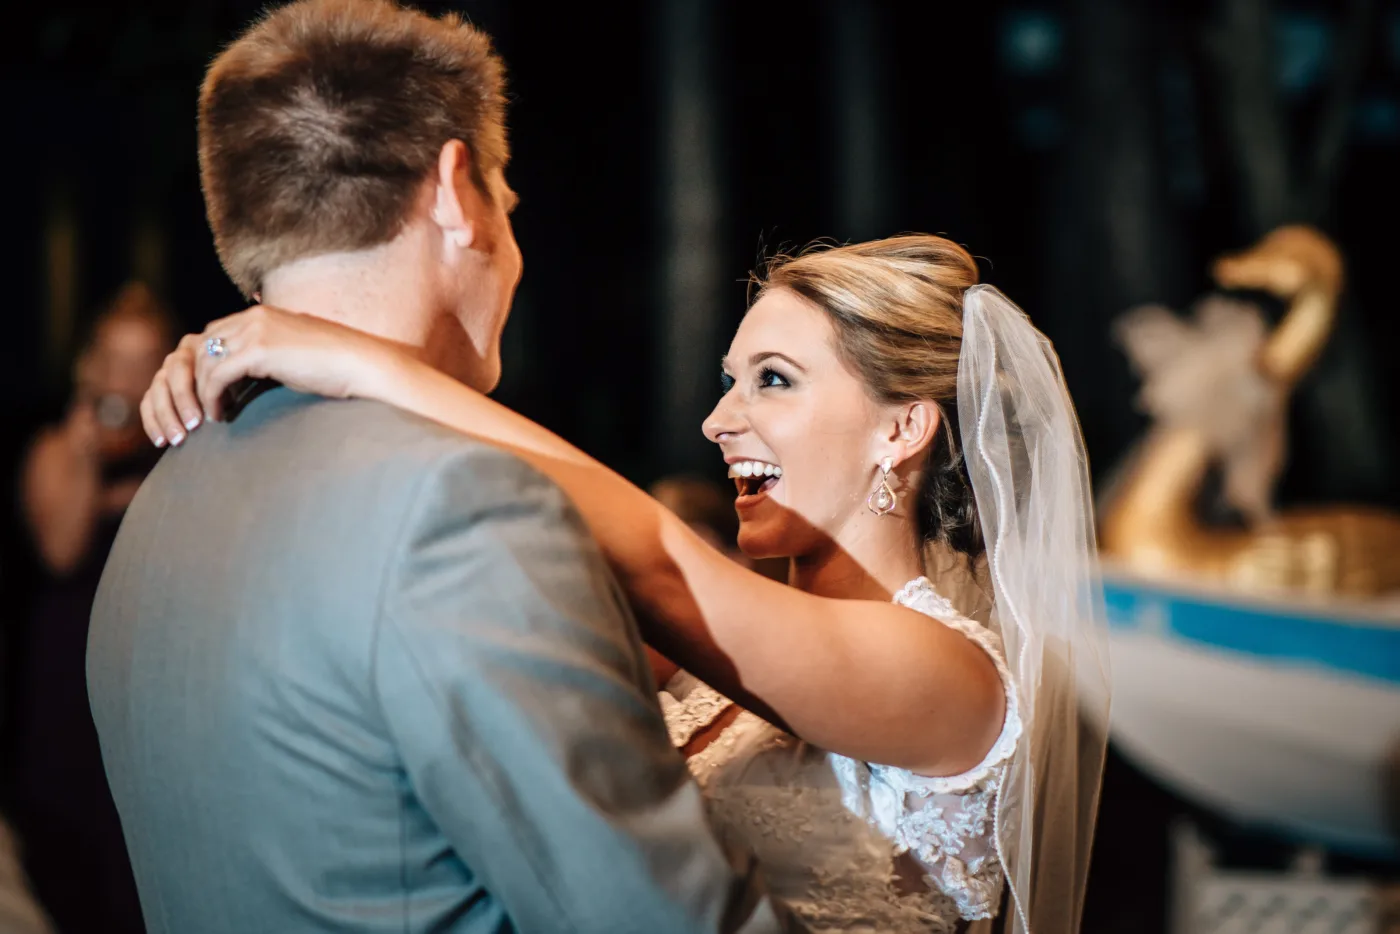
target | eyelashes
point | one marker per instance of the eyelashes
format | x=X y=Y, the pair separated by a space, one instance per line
x=768 y=378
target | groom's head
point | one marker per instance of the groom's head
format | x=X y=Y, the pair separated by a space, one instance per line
x=354 y=128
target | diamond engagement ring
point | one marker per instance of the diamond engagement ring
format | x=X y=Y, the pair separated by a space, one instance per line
x=215 y=347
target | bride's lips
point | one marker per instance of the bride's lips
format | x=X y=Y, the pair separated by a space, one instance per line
x=753 y=479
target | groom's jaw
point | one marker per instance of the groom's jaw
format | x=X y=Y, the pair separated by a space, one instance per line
x=451 y=349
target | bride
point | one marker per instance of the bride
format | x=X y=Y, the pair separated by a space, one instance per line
x=896 y=766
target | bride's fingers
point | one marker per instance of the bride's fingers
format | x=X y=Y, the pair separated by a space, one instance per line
x=215 y=350
x=179 y=377
x=163 y=413
x=153 y=428
x=208 y=391
x=215 y=373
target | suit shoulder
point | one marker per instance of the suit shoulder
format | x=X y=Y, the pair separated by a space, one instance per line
x=444 y=454
x=390 y=424
x=377 y=431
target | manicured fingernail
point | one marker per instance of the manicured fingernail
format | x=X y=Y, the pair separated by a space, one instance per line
x=160 y=442
x=192 y=423
x=176 y=439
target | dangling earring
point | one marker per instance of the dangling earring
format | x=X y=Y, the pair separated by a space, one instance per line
x=882 y=500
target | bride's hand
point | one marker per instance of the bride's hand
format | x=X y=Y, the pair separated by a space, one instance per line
x=304 y=353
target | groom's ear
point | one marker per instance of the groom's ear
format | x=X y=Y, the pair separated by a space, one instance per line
x=451 y=200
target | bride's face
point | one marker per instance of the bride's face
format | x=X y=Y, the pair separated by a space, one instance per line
x=797 y=427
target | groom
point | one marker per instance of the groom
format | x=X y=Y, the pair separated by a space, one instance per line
x=352 y=671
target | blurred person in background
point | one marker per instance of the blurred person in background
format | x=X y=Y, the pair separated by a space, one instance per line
x=81 y=474
x=19 y=914
x=707 y=508
x=77 y=480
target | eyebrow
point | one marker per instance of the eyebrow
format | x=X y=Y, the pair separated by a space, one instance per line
x=763 y=355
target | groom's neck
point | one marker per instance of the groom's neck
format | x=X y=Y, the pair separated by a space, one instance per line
x=379 y=291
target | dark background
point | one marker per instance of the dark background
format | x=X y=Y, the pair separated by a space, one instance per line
x=1095 y=154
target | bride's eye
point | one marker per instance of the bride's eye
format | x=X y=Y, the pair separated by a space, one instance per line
x=769 y=378
x=726 y=382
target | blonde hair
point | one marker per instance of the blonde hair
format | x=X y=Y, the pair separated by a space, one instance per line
x=319 y=125
x=896 y=305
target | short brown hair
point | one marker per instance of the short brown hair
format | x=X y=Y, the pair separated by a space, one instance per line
x=318 y=126
x=897 y=307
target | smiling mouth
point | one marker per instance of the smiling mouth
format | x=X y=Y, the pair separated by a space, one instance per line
x=754 y=478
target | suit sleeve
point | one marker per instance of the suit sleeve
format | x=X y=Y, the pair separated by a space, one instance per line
x=515 y=687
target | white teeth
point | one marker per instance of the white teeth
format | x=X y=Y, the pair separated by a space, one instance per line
x=754 y=469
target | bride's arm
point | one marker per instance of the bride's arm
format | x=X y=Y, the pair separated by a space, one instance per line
x=870 y=680
x=662 y=668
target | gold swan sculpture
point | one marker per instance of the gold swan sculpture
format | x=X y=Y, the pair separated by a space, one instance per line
x=1218 y=391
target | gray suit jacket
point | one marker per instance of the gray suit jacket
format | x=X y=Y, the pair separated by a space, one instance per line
x=355 y=672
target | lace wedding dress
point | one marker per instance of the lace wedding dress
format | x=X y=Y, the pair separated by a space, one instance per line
x=853 y=846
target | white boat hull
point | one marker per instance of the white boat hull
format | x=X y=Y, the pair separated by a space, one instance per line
x=1269 y=715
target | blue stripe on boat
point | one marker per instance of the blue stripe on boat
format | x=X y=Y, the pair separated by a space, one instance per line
x=1353 y=648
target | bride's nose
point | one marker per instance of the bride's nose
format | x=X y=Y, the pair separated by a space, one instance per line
x=726 y=421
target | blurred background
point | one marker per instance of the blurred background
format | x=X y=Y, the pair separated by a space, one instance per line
x=1096 y=155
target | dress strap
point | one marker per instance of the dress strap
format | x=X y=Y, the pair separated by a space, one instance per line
x=689 y=706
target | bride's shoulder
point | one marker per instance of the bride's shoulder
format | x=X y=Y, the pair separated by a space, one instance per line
x=921 y=595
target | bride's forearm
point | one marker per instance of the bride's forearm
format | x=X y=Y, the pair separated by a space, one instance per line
x=918 y=696
x=392 y=376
